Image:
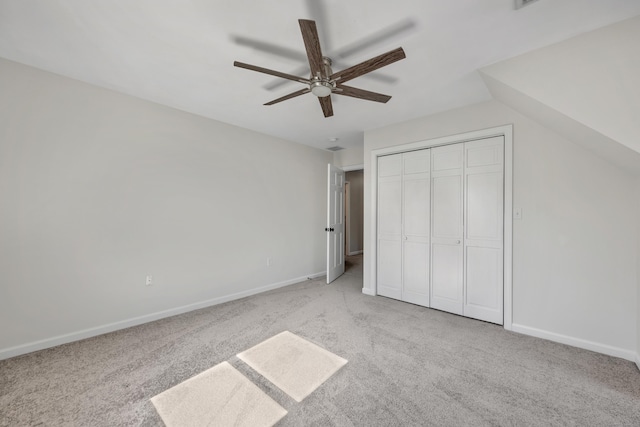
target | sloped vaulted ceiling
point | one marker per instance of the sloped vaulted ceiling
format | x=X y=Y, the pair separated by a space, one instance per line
x=587 y=87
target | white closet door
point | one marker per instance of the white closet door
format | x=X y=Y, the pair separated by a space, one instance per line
x=484 y=221
x=416 y=220
x=389 y=280
x=447 y=255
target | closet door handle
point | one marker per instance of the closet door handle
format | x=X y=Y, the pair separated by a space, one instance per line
x=458 y=242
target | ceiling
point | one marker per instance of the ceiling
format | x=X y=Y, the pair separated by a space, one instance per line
x=181 y=53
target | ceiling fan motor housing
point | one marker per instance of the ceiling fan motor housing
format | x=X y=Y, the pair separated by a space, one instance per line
x=320 y=85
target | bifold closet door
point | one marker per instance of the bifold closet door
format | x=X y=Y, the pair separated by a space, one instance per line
x=440 y=228
x=416 y=222
x=447 y=254
x=389 y=262
x=484 y=227
x=467 y=229
x=404 y=185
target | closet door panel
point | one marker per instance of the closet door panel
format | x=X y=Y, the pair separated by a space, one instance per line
x=416 y=162
x=389 y=165
x=390 y=208
x=448 y=157
x=390 y=269
x=446 y=277
x=416 y=207
x=416 y=220
x=447 y=255
x=416 y=273
x=389 y=262
x=447 y=207
x=482 y=273
x=484 y=181
x=484 y=206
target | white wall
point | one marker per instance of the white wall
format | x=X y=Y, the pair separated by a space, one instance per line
x=356 y=210
x=98 y=189
x=349 y=157
x=574 y=251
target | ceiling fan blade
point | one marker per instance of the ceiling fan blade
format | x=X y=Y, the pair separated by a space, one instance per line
x=276 y=83
x=291 y=95
x=376 y=76
x=312 y=45
x=369 y=65
x=271 y=72
x=327 y=107
x=284 y=52
x=362 y=94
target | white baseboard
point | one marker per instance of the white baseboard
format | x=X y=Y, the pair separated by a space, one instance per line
x=368 y=291
x=638 y=360
x=315 y=275
x=99 y=330
x=354 y=253
x=577 y=342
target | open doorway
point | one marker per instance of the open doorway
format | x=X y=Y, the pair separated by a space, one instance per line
x=354 y=221
x=354 y=212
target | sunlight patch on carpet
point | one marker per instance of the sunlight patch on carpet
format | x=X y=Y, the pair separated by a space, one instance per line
x=295 y=365
x=220 y=396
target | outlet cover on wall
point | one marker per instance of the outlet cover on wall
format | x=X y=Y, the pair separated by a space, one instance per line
x=149 y=281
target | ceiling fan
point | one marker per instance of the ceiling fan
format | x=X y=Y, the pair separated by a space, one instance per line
x=323 y=81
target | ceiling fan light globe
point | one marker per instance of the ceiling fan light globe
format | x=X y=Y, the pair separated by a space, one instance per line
x=320 y=90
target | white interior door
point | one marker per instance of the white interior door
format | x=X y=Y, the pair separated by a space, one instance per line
x=389 y=262
x=484 y=223
x=447 y=254
x=335 y=223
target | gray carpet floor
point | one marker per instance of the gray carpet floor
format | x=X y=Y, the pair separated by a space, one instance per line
x=408 y=366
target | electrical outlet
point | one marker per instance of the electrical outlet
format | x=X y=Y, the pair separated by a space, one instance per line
x=149 y=281
x=268 y=261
